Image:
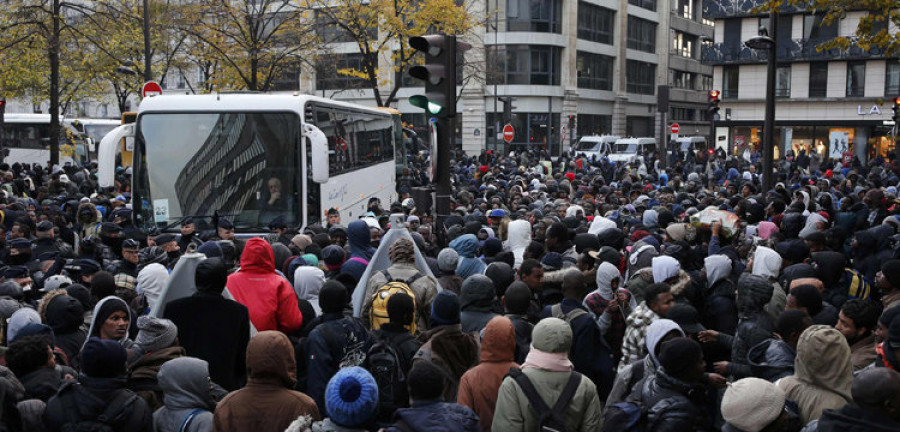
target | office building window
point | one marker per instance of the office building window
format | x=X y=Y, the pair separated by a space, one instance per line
x=639 y=126
x=684 y=114
x=732 y=34
x=641 y=34
x=814 y=29
x=523 y=64
x=329 y=77
x=595 y=71
x=594 y=124
x=730 y=77
x=785 y=26
x=706 y=82
x=856 y=78
x=595 y=23
x=783 y=81
x=646 y=4
x=818 y=79
x=892 y=79
x=640 y=77
x=329 y=32
x=683 y=44
x=684 y=8
x=543 y=16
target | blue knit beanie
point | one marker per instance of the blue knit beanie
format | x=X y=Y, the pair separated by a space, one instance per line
x=445 y=309
x=351 y=397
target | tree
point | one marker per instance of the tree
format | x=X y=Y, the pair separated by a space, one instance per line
x=380 y=29
x=248 y=44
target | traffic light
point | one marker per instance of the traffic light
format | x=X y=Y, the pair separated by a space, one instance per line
x=438 y=72
x=2 y=110
x=713 y=108
x=507 y=108
x=571 y=122
x=896 y=115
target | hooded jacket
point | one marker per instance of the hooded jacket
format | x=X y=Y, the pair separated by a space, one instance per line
x=771 y=360
x=611 y=321
x=673 y=405
x=478 y=387
x=518 y=239
x=755 y=324
x=720 y=313
x=269 y=297
x=852 y=418
x=467 y=246
x=151 y=281
x=267 y=403
x=638 y=323
x=823 y=373
x=308 y=282
x=476 y=301
x=655 y=333
x=185 y=382
x=65 y=315
x=767 y=263
x=97 y=318
x=361 y=250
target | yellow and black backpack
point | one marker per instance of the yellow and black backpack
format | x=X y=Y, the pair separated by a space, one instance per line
x=378 y=315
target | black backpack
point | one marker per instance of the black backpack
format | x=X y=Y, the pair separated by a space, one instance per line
x=383 y=361
x=119 y=406
x=549 y=420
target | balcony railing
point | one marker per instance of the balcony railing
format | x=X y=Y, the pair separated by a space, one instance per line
x=714 y=9
x=793 y=50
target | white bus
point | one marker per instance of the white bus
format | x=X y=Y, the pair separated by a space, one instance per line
x=252 y=158
x=26 y=139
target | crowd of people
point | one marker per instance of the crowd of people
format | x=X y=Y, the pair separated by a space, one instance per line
x=566 y=294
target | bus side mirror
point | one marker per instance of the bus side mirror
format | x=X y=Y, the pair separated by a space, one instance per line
x=318 y=145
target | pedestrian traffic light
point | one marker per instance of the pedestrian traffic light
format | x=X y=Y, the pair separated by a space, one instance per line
x=896 y=115
x=438 y=72
x=713 y=108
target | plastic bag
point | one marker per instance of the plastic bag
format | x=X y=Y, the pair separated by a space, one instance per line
x=704 y=219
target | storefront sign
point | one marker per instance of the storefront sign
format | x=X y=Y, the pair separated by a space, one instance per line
x=738 y=140
x=872 y=111
x=840 y=143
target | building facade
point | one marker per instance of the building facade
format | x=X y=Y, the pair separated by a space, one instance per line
x=572 y=68
x=835 y=103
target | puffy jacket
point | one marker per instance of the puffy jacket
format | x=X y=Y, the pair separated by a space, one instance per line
x=851 y=418
x=674 y=405
x=771 y=360
x=823 y=372
x=93 y=395
x=479 y=386
x=436 y=416
x=269 y=298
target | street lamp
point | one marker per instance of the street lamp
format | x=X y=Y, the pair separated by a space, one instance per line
x=125 y=70
x=766 y=40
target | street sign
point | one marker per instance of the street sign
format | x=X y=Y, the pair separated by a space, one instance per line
x=675 y=128
x=508 y=133
x=151 y=88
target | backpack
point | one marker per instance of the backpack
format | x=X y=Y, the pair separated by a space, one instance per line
x=383 y=361
x=119 y=406
x=549 y=419
x=378 y=315
x=556 y=312
x=628 y=415
x=857 y=286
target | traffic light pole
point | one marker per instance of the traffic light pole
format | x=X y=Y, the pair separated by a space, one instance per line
x=442 y=176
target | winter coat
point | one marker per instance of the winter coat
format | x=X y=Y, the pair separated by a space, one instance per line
x=335 y=343
x=266 y=403
x=424 y=288
x=674 y=405
x=476 y=303
x=65 y=315
x=142 y=379
x=589 y=353
x=624 y=384
x=523 y=336
x=467 y=246
x=97 y=321
x=92 y=396
x=514 y=412
x=752 y=330
x=771 y=360
x=42 y=383
x=186 y=388
x=269 y=298
x=359 y=240
x=611 y=321
x=721 y=312
x=862 y=352
x=633 y=344
x=451 y=350
x=478 y=387
x=823 y=373
x=215 y=329
x=852 y=418
x=767 y=263
x=639 y=281
x=435 y=416
x=451 y=282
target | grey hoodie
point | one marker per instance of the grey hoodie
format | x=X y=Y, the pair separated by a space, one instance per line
x=718 y=267
x=185 y=382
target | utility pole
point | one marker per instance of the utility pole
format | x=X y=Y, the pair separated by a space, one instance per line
x=53 y=54
x=148 y=72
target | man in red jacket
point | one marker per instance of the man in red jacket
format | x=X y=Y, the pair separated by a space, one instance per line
x=269 y=297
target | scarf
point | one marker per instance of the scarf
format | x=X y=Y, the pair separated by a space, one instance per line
x=553 y=362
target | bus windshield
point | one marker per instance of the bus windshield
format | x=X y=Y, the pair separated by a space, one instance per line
x=626 y=148
x=244 y=166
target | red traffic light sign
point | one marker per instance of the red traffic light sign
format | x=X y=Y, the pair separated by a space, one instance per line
x=151 y=88
x=675 y=128
x=508 y=133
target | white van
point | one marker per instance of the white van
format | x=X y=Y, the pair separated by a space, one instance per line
x=693 y=143
x=628 y=149
x=595 y=146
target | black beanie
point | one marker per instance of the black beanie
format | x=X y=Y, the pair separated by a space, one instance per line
x=332 y=297
x=808 y=296
x=211 y=276
x=679 y=355
x=400 y=308
x=891 y=271
x=426 y=382
x=103 y=358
